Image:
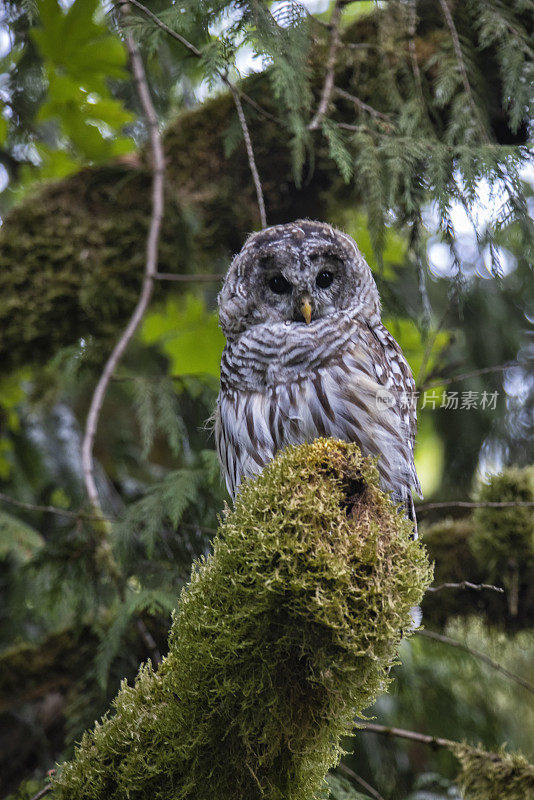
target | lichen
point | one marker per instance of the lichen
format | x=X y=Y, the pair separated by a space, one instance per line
x=283 y=635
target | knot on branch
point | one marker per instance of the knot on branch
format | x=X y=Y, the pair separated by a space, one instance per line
x=283 y=634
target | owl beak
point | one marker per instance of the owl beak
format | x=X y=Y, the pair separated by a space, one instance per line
x=306 y=308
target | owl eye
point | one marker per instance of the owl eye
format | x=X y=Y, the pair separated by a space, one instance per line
x=324 y=279
x=279 y=285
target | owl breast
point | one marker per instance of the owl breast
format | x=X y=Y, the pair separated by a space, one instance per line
x=285 y=384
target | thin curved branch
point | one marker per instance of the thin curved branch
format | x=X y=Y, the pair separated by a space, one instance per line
x=358 y=779
x=373 y=112
x=250 y=154
x=423 y=507
x=328 y=85
x=473 y=374
x=438 y=637
x=151 y=265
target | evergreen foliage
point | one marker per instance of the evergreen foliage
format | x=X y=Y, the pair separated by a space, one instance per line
x=415 y=132
x=282 y=635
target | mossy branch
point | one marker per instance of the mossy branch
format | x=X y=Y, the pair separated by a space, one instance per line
x=483 y=775
x=283 y=635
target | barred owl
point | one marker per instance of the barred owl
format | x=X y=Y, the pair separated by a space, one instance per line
x=307 y=356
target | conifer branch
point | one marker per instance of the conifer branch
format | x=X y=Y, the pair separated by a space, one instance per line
x=235 y=94
x=438 y=637
x=412 y=27
x=328 y=85
x=462 y=67
x=195 y=52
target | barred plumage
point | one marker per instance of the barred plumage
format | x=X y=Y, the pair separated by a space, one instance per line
x=304 y=359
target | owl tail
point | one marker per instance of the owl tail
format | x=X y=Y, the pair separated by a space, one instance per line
x=405 y=499
x=410 y=513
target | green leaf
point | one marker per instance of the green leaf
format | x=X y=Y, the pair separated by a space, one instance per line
x=188 y=334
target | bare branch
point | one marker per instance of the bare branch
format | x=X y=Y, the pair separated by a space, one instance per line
x=466 y=504
x=171 y=276
x=461 y=64
x=60 y=512
x=250 y=154
x=402 y=733
x=353 y=776
x=328 y=86
x=360 y=104
x=151 y=264
x=438 y=637
x=466 y=585
x=473 y=374
x=43 y=792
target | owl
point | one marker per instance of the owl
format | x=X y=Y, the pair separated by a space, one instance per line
x=307 y=356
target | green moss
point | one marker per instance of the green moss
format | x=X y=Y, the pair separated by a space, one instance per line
x=494 y=776
x=283 y=634
x=503 y=538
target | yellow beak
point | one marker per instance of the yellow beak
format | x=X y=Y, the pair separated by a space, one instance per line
x=306 y=309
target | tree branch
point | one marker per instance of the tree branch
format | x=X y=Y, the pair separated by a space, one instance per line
x=466 y=585
x=151 y=263
x=328 y=85
x=438 y=637
x=63 y=512
x=235 y=94
x=353 y=776
x=402 y=733
x=360 y=104
x=461 y=64
x=170 y=276
x=250 y=154
x=466 y=504
x=412 y=27
x=475 y=373
x=194 y=51
x=60 y=512
x=43 y=792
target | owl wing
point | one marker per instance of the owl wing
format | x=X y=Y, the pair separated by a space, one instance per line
x=393 y=371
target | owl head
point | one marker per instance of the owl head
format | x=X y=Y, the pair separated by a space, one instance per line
x=296 y=273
